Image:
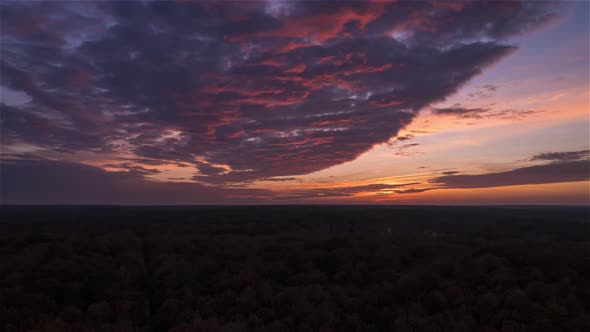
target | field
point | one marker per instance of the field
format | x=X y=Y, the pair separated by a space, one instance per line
x=294 y=268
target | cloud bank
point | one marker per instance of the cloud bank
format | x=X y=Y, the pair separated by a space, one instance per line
x=237 y=91
x=568 y=171
x=56 y=182
x=265 y=88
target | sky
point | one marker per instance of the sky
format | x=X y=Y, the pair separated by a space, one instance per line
x=295 y=102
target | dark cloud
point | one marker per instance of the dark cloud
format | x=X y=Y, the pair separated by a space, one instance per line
x=450 y=172
x=412 y=190
x=409 y=145
x=406 y=137
x=446 y=22
x=568 y=171
x=405 y=150
x=33 y=127
x=490 y=87
x=134 y=169
x=341 y=191
x=55 y=182
x=151 y=162
x=513 y=114
x=461 y=111
x=280 y=179
x=209 y=170
x=562 y=156
x=483 y=113
x=484 y=91
x=241 y=90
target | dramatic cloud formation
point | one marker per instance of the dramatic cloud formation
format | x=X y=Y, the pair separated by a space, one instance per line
x=184 y=102
x=238 y=91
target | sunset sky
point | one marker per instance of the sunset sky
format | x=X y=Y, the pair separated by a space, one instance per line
x=280 y=102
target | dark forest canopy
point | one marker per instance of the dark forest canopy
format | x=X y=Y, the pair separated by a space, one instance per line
x=294 y=268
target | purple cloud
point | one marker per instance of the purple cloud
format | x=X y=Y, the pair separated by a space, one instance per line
x=245 y=90
x=568 y=171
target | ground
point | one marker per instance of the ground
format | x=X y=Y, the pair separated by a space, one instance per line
x=294 y=268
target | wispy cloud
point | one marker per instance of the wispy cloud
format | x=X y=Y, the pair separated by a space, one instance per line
x=562 y=156
x=342 y=191
x=483 y=113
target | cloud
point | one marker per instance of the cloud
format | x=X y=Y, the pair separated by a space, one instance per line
x=484 y=91
x=56 y=182
x=280 y=179
x=139 y=170
x=151 y=162
x=404 y=138
x=562 y=156
x=241 y=90
x=490 y=87
x=461 y=111
x=405 y=150
x=482 y=113
x=569 y=171
x=412 y=190
x=340 y=191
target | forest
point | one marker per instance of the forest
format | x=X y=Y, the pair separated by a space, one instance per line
x=294 y=268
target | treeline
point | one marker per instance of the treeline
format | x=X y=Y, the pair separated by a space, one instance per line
x=294 y=269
